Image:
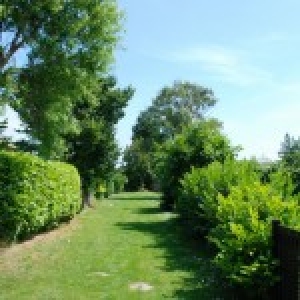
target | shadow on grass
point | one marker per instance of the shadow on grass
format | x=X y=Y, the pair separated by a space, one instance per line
x=135 y=196
x=4 y=245
x=148 y=210
x=183 y=253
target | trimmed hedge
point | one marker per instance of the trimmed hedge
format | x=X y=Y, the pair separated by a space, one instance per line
x=228 y=204
x=197 y=201
x=35 y=194
x=243 y=236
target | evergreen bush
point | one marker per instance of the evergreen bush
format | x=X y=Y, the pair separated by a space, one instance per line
x=35 y=194
x=243 y=235
x=197 y=202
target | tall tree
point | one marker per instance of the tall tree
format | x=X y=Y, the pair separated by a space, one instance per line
x=288 y=145
x=198 y=145
x=174 y=108
x=290 y=156
x=69 y=44
x=93 y=150
x=76 y=29
x=137 y=167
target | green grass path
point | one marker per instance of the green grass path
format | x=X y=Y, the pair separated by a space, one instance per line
x=123 y=240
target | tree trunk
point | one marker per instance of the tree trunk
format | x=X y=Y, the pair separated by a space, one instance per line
x=86 y=198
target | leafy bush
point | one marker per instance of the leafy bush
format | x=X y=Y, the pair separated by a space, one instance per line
x=197 y=202
x=100 y=190
x=282 y=182
x=35 y=194
x=290 y=158
x=199 y=145
x=119 y=180
x=139 y=165
x=243 y=235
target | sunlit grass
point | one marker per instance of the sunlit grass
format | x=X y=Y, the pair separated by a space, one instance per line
x=123 y=240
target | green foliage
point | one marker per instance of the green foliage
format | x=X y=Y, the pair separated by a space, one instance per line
x=290 y=157
x=123 y=237
x=199 y=145
x=5 y=141
x=172 y=109
x=228 y=203
x=138 y=167
x=282 y=182
x=100 y=190
x=35 y=194
x=267 y=169
x=119 y=179
x=197 y=202
x=243 y=235
x=69 y=45
x=109 y=186
x=93 y=150
x=26 y=145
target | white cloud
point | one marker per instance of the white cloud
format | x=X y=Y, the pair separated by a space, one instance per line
x=223 y=64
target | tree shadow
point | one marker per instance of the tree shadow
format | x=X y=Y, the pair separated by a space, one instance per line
x=134 y=196
x=148 y=210
x=183 y=253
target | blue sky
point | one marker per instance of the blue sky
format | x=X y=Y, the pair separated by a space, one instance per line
x=247 y=52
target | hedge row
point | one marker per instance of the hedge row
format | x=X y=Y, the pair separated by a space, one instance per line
x=35 y=194
x=243 y=236
x=197 y=202
x=230 y=205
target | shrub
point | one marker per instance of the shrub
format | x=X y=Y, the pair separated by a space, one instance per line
x=243 y=235
x=100 y=190
x=282 y=182
x=197 y=202
x=35 y=194
x=290 y=158
x=120 y=180
x=198 y=145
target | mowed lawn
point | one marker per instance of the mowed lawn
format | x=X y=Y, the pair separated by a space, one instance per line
x=124 y=240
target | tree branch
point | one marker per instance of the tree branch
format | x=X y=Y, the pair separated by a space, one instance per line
x=14 y=46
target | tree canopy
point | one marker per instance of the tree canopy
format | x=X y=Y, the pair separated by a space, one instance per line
x=78 y=31
x=93 y=150
x=198 y=145
x=69 y=45
x=138 y=167
x=173 y=109
x=290 y=156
